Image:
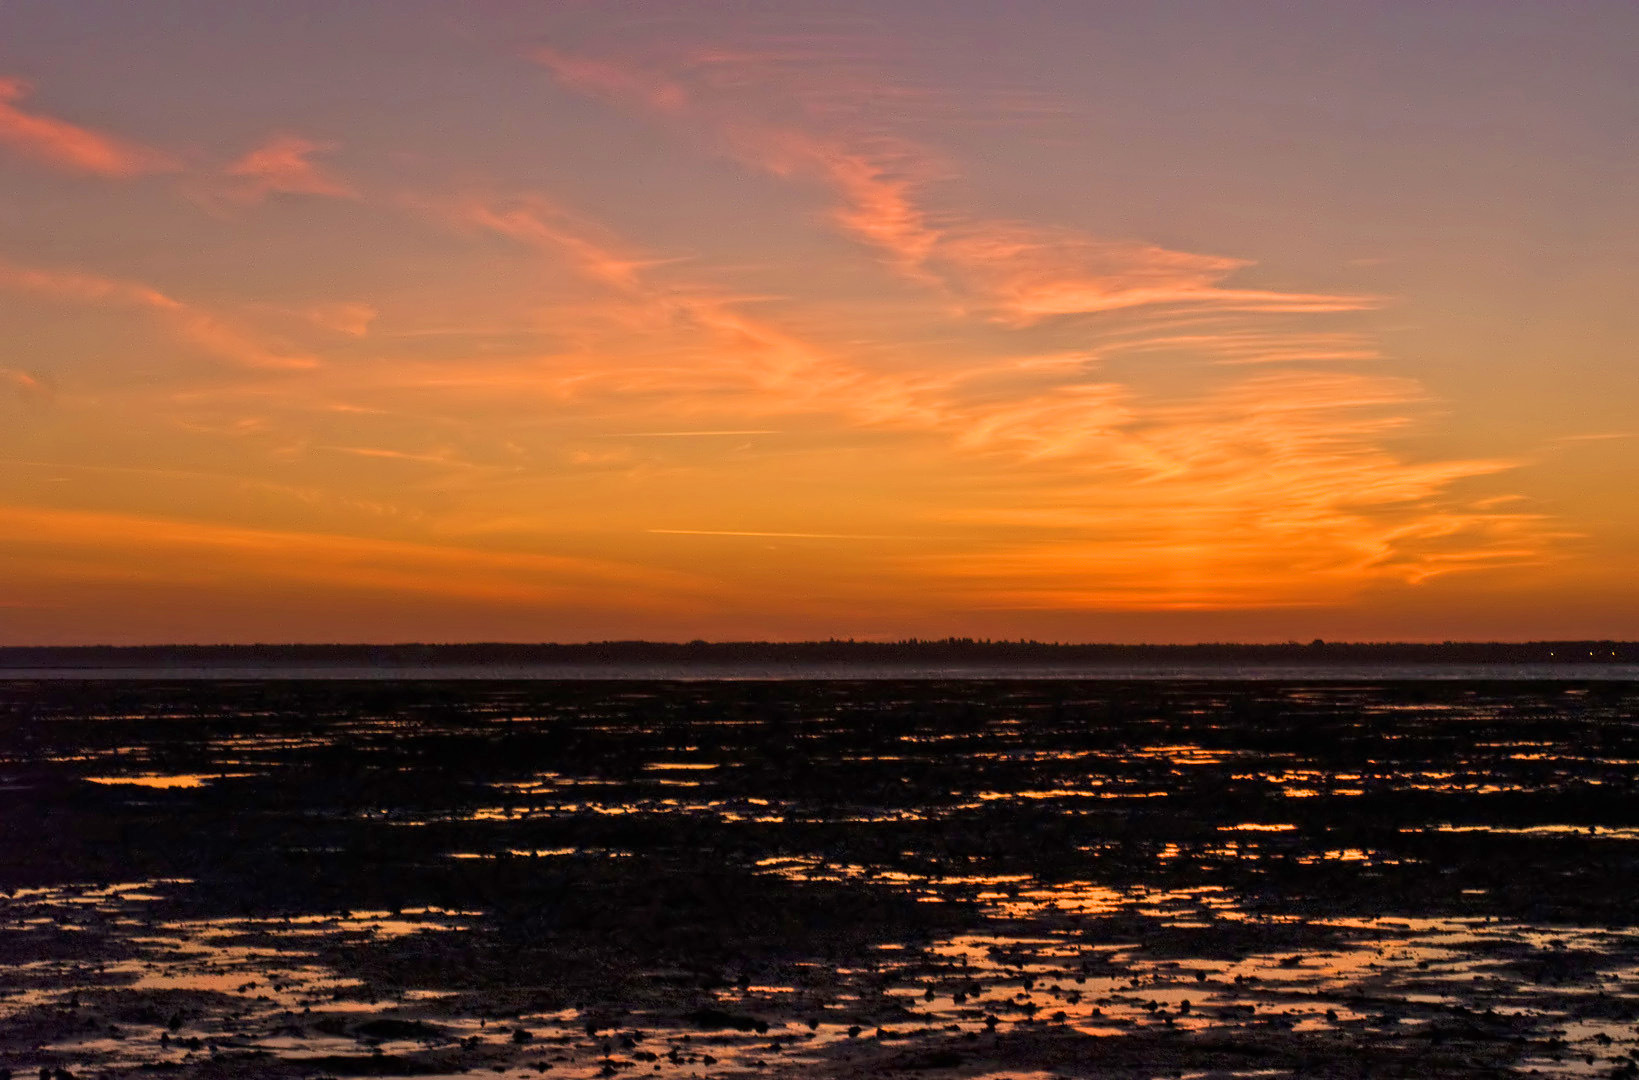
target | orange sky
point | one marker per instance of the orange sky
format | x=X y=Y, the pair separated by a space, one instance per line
x=521 y=321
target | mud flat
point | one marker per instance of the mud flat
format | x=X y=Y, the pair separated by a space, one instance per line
x=942 y=879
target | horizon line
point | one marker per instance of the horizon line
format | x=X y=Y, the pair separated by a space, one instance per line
x=947 y=642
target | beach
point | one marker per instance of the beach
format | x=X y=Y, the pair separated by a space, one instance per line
x=964 y=878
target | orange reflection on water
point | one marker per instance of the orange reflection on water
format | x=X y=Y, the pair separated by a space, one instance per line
x=165 y=780
x=1187 y=754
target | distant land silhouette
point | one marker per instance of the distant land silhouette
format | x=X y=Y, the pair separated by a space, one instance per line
x=956 y=652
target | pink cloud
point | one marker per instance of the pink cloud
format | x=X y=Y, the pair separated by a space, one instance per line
x=1007 y=272
x=70 y=147
x=611 y=79
x=281 y=166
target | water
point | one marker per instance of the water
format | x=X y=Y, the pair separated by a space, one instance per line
x=821 y=878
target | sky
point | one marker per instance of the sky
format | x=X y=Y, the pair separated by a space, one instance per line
x=1058 y=319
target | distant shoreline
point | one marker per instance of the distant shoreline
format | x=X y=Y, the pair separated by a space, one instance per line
x=702 y=656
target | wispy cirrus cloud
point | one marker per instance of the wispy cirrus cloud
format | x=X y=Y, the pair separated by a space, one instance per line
x=706 y=344
x=1273 y=488
x=440 y=458
x=872 y=382
x=1220 y=559
x=1273 y=491
x=206 y=330
x=1021 y=274
x=71 y=147
x=283 y=165
x=1008 y=271
x=1267 y=485
x=1233 y=482
x=199 y=553
x=707 y=353
x=774 y=535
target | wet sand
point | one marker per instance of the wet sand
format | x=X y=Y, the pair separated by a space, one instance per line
x=944 y=879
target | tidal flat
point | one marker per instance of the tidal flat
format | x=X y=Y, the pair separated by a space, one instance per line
x=979 y=878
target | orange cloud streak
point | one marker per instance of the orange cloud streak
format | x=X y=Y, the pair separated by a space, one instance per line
x=1271 y=489
x=75 y=544
x=1007 y=271
x=1290 y=460
x=207 y=331
x=70 y=147
x=1270 y=492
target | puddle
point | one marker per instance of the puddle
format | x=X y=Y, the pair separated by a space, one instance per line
x=158 y=780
